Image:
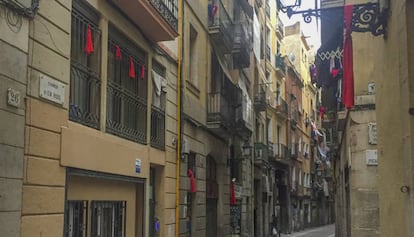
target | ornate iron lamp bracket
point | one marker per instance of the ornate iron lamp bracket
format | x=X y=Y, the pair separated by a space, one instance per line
x=366 y=17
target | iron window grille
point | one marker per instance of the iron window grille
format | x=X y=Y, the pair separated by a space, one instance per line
x=85 y=83
x=108 y=218
x=126 y=97
x=76 y=216
x=157 y=135
x=191 y=163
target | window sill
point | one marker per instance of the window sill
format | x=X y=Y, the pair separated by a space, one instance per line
x=193 y=88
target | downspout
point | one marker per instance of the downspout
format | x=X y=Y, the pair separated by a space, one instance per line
x=179 y=112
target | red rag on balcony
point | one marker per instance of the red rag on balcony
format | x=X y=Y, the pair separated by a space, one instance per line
x=192 y=181
x=348 y=74
x=142 y=72
x=131 y=68
x=118 y=54
x=232 y=194
x=322 y=112
x=89 y=41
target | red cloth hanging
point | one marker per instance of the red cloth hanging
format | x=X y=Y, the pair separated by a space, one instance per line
x=118 y=54
x=142 y=72
x=89 y=41
x=192 y=181
x=348 y=70
x=215 y=8
x=322 y=112
x=232 y=194
x=131 y=68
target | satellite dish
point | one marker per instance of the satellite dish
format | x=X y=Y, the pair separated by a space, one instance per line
x=291 y=57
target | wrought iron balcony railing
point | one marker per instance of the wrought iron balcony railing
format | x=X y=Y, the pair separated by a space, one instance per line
x=282 y=107
x=220 y=26
x=168 y=10
x=280 y=151
x=294 y=150
x=280 y=65
x=219 y=109
x=260 y=152
x=241 y=46
x=260 y=97
x=260 y=101
x=126 y=114
x=157 y=128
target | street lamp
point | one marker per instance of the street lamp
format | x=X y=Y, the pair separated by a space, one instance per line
x=246 y=149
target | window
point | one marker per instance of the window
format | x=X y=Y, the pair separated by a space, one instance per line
x=192 y=163
x=85 y=83
x=193 y=63
x=76 y=218
x=158 y=106
x=211 y=179
x=126 y=93
x=108 y=218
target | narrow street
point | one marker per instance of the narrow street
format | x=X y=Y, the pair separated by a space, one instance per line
x=324 y=231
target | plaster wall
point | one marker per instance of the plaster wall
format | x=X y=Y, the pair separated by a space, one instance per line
x=14 y=43
x=93 y=189
x=395 y=125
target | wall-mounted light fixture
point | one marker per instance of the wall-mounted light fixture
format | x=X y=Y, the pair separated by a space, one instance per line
x=246 y=149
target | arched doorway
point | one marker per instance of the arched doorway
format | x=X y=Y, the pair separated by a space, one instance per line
x=211 y=197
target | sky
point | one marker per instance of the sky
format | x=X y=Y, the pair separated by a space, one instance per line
x=310 y=30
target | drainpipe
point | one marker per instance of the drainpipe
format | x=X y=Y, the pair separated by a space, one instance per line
x=179 y=113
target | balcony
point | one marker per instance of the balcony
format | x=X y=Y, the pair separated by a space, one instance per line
x=157 y=128
x=259 y=97
x=280 y=152
x=158 y=19
x=126 y=113
x=220 y=27
x=280 y=29
x=244 y=121
x=300 y=189
x=294 y=150
x=241 y=47
x=280 y=65
x=282 y=108
x=220 y=114
x=260 y=101
x=260 y=153
x=267 y=10
x=294 y=119
x=267 y=52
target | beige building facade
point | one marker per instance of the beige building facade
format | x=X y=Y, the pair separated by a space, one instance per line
x=373 y=170
x=85 y=160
